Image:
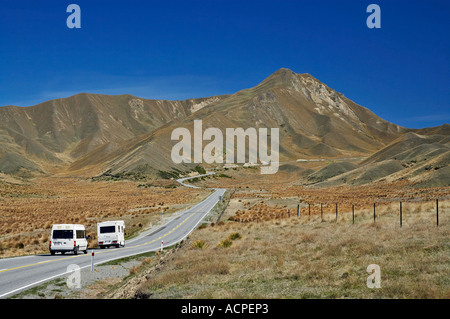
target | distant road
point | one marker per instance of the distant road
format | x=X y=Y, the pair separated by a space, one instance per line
x=21 y=273
x=181 y=180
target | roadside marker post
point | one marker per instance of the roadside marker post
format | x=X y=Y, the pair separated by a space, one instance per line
x=162 y=244
x=92 y=261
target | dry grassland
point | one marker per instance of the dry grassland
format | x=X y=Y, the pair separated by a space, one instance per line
x=306 y=258
x=27 y=212
x=261 y=249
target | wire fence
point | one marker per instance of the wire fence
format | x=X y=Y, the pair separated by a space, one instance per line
x=399 y=211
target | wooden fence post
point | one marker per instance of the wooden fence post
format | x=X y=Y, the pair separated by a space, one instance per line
x=321 y=212
x=374 y=212
x=298 y=210
x=400 y=214
x=336 y=212
x=353 y=213
x=309 y=210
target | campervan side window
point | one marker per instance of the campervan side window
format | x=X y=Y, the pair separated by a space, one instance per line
x=107 y=229
x=81 y=234
x=62 y=234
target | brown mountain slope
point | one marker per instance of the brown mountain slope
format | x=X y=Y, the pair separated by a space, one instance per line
x=314 y=121
x=59 y=131
x=415 y=146
x=91 y=134
x=422 y=157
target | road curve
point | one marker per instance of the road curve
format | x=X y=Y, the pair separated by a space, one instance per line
x=181 y=180
x=21 y=273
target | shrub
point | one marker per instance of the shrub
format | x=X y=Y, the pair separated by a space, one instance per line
x=225 y=243
x=200 y=169
x=200 y=244
x=234 y=236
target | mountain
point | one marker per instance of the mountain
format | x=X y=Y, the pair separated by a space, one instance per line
x=57 y=132
x=314 y=121
x=331 y=170
x=422 y=157
x=91 y=134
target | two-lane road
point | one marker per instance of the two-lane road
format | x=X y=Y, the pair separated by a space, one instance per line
x=20 y=273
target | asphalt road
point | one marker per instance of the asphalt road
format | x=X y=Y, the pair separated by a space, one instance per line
x=21 y=273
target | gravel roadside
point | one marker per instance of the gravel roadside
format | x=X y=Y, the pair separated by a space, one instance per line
x=91 y=283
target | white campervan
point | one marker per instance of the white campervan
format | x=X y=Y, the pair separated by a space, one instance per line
x=68 y=237
x=111 y=233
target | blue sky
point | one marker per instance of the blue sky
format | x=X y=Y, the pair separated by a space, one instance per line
x=198 y=48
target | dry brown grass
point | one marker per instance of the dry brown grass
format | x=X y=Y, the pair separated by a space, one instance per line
x=29 y=211
x=418 y=211
x=250 y=183
x=300 y=258
x=260 y=248
x=280 y=255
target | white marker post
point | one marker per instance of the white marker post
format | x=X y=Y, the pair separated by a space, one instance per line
x=162 y=244
x=92 y=261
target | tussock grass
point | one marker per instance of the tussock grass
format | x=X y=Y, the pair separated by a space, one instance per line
x=306 y=258
x=200 y=244
x=28 y=211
